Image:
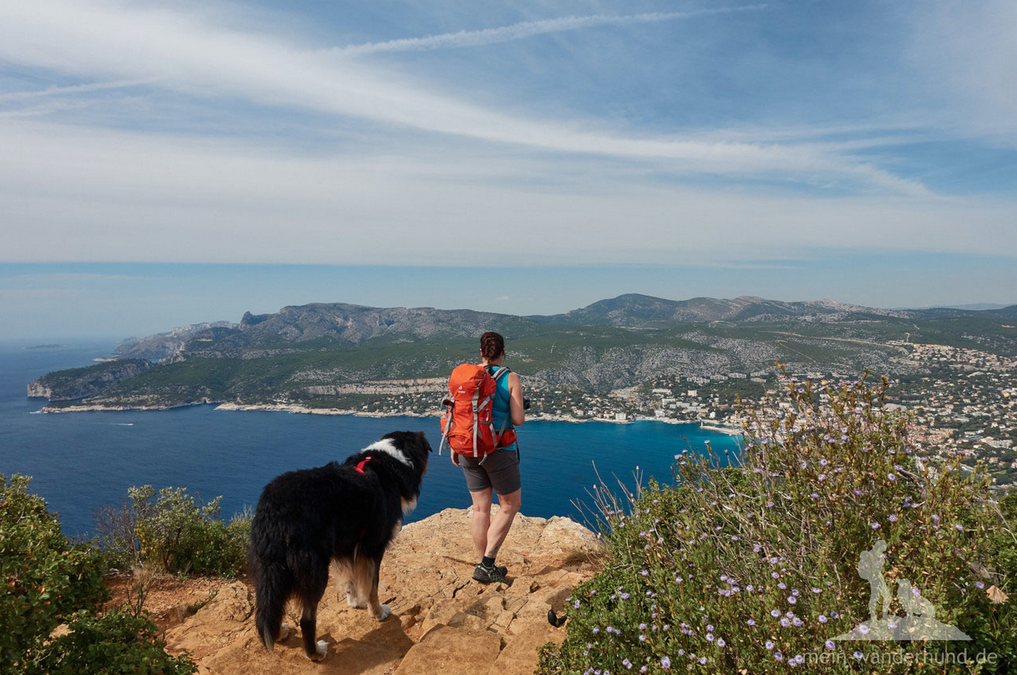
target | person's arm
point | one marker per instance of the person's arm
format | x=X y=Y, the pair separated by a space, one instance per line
x=516 y=409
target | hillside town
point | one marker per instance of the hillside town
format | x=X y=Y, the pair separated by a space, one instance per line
x=960 y=400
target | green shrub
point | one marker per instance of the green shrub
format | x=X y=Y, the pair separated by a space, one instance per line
x=756 y=569
x=115 y=642
x=45 y=579
x=115 y=539
x=48 y=582
x=180 y=536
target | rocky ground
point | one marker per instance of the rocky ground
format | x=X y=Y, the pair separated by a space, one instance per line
x=443 y=621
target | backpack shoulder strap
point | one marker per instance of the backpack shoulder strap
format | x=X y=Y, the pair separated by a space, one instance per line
x=497 y=375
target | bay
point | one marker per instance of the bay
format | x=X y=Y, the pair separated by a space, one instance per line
x=82 y=461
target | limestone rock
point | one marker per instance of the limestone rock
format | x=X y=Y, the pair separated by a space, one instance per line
x=443 y=621
x=452 y=651
x=68 y=385
x=520 y=655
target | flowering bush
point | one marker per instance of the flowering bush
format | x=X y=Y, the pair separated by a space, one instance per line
x=757 y=568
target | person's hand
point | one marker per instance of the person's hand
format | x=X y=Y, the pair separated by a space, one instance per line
x=455 y=457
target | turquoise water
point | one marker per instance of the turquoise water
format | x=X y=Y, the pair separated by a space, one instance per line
x=81 y=461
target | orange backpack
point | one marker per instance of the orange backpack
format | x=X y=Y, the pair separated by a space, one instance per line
x=466 y=425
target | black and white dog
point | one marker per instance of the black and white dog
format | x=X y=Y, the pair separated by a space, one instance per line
x=345 y=512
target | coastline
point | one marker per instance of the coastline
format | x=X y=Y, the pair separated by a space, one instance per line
x=722 y=428
x=303 y=410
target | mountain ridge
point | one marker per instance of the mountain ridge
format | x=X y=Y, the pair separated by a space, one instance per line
x=355 y=324
x=324 y=355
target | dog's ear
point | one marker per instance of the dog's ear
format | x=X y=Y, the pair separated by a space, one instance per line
x=423 y=441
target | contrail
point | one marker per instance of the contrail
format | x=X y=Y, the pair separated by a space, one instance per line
x=73 y=89
x=524 y=29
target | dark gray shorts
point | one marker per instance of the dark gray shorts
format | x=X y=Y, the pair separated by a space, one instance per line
x=500 y=470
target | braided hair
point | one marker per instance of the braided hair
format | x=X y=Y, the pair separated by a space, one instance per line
x=492 y=345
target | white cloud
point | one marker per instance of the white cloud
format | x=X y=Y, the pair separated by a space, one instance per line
x=968 y=54
x=186 y=53
x=118 y=196
x=559 y=191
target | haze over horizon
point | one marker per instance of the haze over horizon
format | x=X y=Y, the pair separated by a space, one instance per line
x=43 y=303
x=170 y=161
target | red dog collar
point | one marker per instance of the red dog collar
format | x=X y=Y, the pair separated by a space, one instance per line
x=360 y=467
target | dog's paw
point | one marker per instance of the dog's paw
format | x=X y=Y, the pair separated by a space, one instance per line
x=322 y=651
x=284 y=631
x=384 y=611
x=355 y=602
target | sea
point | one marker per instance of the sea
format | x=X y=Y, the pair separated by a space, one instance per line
x=80 y=462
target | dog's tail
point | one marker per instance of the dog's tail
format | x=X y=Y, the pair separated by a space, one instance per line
x=273 y=583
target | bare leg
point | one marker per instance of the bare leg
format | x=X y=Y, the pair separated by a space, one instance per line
x=481 y=520
x=502 y=521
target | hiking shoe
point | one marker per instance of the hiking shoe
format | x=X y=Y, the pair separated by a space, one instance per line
x=490 y=575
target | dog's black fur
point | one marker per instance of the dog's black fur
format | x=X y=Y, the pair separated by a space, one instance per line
x=306 y=519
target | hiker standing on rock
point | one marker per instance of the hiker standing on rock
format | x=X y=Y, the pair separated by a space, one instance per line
x=483 y=444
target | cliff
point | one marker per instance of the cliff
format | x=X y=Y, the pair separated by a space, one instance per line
x=443 y=621
x=78 y=383
x=164 y=346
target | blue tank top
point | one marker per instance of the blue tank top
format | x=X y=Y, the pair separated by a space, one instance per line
x=500 y=410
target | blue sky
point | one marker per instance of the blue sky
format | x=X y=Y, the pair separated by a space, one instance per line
x=175 y=154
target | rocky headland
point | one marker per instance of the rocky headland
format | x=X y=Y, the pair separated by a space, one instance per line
x=442 y=622
x=81 y=383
